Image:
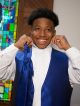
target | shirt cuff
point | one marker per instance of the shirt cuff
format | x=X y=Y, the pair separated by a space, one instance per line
x=72 y=53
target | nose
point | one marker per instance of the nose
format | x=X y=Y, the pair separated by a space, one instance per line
x=42 y=33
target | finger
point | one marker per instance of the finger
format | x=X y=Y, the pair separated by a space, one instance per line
x=53 y=40
x=58 y=42
x=28 y=42
x=28 y=34
x=30 y=45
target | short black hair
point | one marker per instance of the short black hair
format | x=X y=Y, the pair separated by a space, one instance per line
x=43 y=13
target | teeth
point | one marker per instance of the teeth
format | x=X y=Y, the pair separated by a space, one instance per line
x=42 y=40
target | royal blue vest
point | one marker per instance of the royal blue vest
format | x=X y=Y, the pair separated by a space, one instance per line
x=56 y=89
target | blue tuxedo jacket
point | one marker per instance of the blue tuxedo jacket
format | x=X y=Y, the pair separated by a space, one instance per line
x=56 y=89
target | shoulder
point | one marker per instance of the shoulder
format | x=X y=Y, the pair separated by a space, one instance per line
x=59 y=54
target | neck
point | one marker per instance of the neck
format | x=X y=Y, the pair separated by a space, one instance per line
x=42 y=49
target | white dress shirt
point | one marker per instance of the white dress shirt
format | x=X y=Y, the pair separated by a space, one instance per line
x=41 y=59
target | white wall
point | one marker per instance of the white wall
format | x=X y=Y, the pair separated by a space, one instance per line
x=69 y=16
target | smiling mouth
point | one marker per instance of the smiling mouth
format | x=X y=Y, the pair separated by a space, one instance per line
x=42 y=41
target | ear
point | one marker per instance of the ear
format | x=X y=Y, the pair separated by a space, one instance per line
x=30 y=31
x=54 y=33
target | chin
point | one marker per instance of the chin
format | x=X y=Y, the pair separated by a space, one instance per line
x=41 y=46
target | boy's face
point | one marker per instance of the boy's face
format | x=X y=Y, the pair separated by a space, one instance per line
x=42 y=32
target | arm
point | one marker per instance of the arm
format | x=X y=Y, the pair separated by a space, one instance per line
x=7 y=58
x=7 y=62
x=73 y=55
x=74 y=65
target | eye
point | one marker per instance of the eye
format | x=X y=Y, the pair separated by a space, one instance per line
x=36 y=29
x=49 y=29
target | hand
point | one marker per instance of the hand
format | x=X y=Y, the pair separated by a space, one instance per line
x=23 y=40
x=61 y=42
